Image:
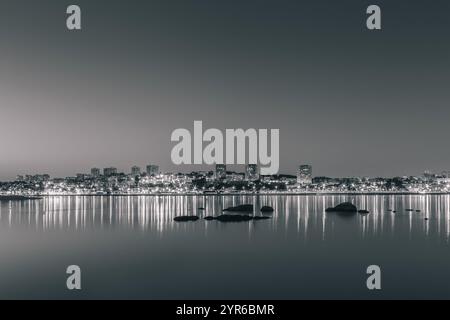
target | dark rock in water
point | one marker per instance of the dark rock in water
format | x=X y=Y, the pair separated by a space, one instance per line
x=18 y=198
x=409 y=210
x=260 y=218
x=417 y=210
x=267 y=209
x=394 y=211
x=201 y=208
x=345 y=207
x=242 y=208
x=185 y=218
x=236 y=218
x=363 y=211
x=233 y=218
x=427 y=219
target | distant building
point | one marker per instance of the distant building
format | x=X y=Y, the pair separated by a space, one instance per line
x=152 y=170
x=235 y=176
x=251 y=172
x=19 y=178
x=304 y=174
x=135 y=171
x=221 y=171
x=443 y=180
x=428 y=175
x=95 y=172
x=108 y=172
x=38 y=178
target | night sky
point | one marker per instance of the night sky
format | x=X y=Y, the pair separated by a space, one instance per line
x=347 y=100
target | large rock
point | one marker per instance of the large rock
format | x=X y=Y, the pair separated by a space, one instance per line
x=235 y=218
x=185 y=218
x=345 y=207
x=241 y=208
x=267 y=209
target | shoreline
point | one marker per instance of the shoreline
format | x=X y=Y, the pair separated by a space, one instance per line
x=41 y=196
x=10 y=197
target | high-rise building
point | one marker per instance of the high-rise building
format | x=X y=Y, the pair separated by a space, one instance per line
x=221 y=171
x=135 y=171
x=108 y=172
x=152 y=170
x=304 y=174
x=251 y=172
x=95 y=172
x=428 y=175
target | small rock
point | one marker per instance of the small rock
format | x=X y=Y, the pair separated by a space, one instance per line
x=363 y=211
x=185 y=218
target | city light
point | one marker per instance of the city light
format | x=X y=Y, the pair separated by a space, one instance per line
x=220 y=181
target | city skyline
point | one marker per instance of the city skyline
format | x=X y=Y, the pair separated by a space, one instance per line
x=218 y=181
x=106 y=171
x=303 y=174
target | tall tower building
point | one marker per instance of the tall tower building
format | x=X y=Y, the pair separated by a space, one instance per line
x=251 y=172
x=152 y=170
x=95 y=172
x=108 y=172
x=135 y=171
x=304 y=174
x=221 y=171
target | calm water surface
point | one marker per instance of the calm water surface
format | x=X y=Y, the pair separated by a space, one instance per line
x=130 y=247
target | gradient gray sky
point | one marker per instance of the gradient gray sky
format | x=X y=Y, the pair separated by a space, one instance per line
x=346 y=100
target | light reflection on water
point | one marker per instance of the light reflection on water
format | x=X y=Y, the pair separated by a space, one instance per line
x=300 y=214
x=130 y=247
